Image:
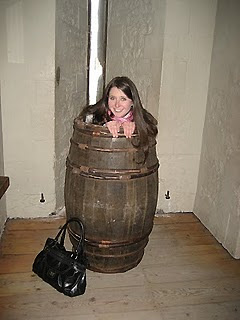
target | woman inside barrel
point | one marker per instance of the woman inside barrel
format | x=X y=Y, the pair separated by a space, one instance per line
x=121 y=106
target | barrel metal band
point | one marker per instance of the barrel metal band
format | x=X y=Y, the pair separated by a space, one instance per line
x=109 y=244
x=84 y=146
x=106 y=174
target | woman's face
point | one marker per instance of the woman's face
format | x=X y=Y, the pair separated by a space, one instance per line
x=118 y=102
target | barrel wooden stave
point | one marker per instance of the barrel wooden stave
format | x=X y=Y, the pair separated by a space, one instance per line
x=100 y=205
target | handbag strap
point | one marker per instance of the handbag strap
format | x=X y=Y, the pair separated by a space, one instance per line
x=62 y=233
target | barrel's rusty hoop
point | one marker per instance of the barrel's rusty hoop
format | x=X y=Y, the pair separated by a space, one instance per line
x=109 y=244
x=112 y=174
x=85 y=146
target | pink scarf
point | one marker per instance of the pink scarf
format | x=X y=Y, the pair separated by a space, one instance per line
x=127 y=118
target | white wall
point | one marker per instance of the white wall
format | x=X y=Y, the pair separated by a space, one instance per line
x=27 y=91
x=70 y=95
x=188 y=38
x=218 y=196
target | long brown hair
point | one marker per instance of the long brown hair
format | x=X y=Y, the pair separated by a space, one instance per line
x=146 y=124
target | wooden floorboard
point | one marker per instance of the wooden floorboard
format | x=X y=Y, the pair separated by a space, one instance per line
x=185 y=274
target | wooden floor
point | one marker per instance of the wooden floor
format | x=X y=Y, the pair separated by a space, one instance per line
x=185 y=274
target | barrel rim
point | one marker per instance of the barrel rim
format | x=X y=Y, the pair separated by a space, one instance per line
x=96 y=130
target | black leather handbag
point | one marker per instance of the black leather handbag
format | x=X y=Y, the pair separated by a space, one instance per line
x=64 y=270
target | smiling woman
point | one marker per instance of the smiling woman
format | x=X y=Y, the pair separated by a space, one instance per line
x=119 y=104
x=121 y=107
x=120 y=111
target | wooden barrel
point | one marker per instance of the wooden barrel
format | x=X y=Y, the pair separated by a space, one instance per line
x=109 y=188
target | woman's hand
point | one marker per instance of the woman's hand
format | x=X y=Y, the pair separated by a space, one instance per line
x=128 y=128
x=113 y=127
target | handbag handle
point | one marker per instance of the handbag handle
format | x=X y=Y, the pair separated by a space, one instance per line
x=63 y=230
